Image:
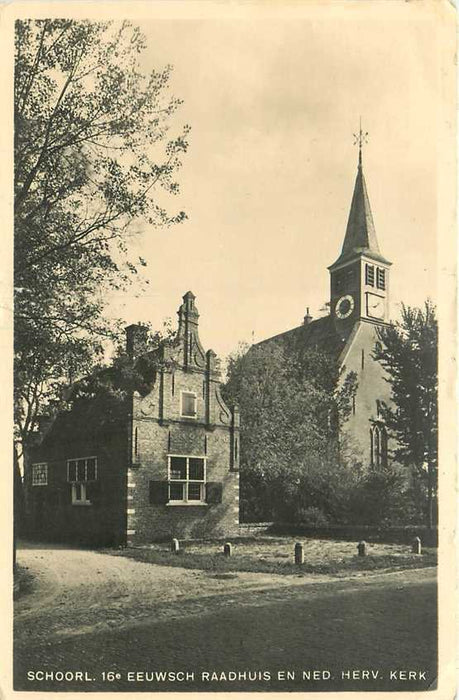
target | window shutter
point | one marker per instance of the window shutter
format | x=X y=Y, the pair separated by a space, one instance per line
x=214 y=492
x=159 y=492
x=93 y=492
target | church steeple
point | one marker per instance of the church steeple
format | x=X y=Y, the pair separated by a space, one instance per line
x=360 y=276
x=360 y=235
x=360 y=232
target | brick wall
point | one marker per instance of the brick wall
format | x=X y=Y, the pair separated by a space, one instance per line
x=50 y=514
x=158 y=431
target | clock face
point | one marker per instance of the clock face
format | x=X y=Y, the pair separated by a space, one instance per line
x=375 y=306
x=344 y=306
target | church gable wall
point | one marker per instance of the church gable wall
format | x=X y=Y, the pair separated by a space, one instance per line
x=357 y=357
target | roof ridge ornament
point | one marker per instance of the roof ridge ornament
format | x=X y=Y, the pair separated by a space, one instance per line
x=361 y=138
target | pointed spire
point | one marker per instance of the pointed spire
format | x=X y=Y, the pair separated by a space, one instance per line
x=360 y=232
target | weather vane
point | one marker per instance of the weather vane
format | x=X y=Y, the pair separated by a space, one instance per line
x=360 y=138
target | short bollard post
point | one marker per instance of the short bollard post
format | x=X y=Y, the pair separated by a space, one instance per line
x=227 y=549
x=299 y=553
x=417 y=546
x=175 y=547
x=362 y=548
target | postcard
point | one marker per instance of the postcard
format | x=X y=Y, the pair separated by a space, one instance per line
x=228 y=337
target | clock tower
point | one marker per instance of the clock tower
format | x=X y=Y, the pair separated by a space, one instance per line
x=359 y=278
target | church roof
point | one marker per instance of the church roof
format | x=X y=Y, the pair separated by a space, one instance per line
x=360 y=238
x=320 y=334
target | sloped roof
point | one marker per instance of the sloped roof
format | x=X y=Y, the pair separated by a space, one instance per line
x=320 y=334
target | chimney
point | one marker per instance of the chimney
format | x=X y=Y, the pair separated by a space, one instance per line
x=307 y=318
x=136 y=340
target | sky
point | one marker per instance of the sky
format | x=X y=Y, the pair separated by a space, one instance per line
x=273 y=103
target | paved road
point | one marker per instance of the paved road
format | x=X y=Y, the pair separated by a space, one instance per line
x=91 y=613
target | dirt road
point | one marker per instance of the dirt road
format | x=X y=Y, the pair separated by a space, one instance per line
x=79 y=591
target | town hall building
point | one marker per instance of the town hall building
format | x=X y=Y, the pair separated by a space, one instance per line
x=163 y=463
x=359 y=304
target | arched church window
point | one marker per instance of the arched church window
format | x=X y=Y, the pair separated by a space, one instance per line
x=378 y=446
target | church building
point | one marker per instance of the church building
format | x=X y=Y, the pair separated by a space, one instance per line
x=359 y=304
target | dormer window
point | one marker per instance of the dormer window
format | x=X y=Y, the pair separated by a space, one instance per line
x=188 y=404
x=380 y=278
x=370 y=275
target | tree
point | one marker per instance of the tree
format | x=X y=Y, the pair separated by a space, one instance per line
x=102 y=399
x=292 y=463
x=408 y=352
x=379 y=498
x=92 y=155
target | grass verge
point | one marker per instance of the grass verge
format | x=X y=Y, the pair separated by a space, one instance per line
x=276 y=557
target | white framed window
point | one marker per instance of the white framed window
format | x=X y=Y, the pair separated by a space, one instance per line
x=187 y=479
x=40 y=474
x=79 y=494
x=380 y=278
x=79 y=472
x=188 y=404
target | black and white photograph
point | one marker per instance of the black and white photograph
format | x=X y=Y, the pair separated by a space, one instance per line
x=228 y=318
